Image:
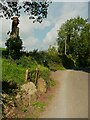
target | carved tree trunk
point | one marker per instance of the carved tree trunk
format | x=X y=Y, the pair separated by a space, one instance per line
x=15 y=29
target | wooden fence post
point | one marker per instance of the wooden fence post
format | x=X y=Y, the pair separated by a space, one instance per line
x=26 y=77
x=37 y=73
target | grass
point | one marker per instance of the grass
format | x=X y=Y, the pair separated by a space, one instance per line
x=52 y=82
x=11 y=71
x=24 y=109
x=13 y=75
x=38 y=104
x=50 y=97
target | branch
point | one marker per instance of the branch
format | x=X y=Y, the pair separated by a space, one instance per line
x=36 y=9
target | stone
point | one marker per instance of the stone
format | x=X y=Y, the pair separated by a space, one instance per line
x=9 y=108
x=18 y=96
x=26 y=99
x=29 y=88
x=41 y=85
x=28 y=91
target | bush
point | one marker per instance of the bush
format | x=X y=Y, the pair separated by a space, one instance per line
x=88 y=61
x=14 y=47
x=27 y=62
x=12 y=72
x=4 y=52
x=68 y=61
x=38 y=104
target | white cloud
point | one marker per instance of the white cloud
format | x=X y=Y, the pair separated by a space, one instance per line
x=70 y=10
x=6 y=25
x=30 y=42
x=27 y=26
x=26 y=29
x=0 y=43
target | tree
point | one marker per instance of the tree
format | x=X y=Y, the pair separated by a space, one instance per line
x=76 y=33
x=36 y=9
x=14 y=47
x=52 y=51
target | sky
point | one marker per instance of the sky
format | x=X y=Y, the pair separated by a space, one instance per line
x=41 y=35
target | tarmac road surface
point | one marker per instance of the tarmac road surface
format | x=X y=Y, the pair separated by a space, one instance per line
x=71 y=98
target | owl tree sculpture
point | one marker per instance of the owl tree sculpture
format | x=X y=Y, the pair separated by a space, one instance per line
x=15 y=29
x=37 y=10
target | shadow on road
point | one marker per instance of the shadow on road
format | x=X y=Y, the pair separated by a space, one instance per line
x=82 y=69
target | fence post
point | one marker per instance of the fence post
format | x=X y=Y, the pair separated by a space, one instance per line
x=37 y=73
x=26 y=76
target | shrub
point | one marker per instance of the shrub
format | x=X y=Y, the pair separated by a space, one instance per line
x=67 y=61
x=27 y=62
x=14 y=47
x=38 y=104
x=12 y=72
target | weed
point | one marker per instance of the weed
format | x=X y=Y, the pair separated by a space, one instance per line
x=38 y=104
x=24 y=109
x=50 y=97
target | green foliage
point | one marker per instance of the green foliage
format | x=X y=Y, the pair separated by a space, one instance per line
x=36 y=10
x=53 y=60
x=27 y=62
x=39 y=56
x=51 y=83
x=49 y=58
x=44 y=72
x=24 y=109
x=12 y=72
x=67 y=61
x=4 y=52
x=38 y=104
x=77 y=36
x=52 y=51
x=14 y=46
x=88 y=61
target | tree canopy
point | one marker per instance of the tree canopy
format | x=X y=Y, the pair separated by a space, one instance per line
x=74 y=35
x=35 y=9
x=14 y=47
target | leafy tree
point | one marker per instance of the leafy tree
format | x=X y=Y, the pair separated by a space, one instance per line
x=14 y=47
x=76 y=33
x=52 y=50
x=36 y=9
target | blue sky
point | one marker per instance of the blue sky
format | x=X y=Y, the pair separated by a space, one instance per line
x=40 y=36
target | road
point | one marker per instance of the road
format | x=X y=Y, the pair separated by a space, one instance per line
x=71 y=98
